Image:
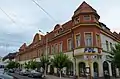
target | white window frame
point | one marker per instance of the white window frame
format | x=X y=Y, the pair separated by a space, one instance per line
x=107 y=45
x=60 y=46
x=87 y=45
x=98 y=44
x=85 y=17
x=76 y=41
x=68 y=46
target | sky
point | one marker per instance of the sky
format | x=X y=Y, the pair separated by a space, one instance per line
x=28 y=18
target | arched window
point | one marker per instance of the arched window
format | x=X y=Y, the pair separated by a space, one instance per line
x=113 y=68
x=82 y=69
x=95 y=67
x=70 y=69
x=105 y=68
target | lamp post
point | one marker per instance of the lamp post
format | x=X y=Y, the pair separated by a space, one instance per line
x=73 y=53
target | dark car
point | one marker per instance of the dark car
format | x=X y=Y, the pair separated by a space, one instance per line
x=35 y=74
x=11 y=70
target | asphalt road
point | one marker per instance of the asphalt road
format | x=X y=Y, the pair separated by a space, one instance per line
x=47 y=77
x=17 y=76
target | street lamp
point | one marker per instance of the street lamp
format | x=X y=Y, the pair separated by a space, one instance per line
x=73 y=53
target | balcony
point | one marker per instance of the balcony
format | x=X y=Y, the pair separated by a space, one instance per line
x=86 y=51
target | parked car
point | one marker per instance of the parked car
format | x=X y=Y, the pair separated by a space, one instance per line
x=4 y=75
x=35 y=74
x=24 y=72
x=11 y=70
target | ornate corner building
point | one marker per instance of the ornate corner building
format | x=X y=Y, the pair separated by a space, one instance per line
x=84 y=39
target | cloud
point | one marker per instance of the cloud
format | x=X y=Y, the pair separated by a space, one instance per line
x=29 y=18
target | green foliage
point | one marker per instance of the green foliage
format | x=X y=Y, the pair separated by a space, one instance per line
x=60 y=61
x=27 y=65
x=115 y=55
x=12 y=65
x=44 y=60
x=32 y=65
x=38 y=65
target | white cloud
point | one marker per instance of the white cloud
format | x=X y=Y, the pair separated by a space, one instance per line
x=29 y=18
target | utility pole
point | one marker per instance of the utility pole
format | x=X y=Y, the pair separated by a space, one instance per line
x=46 y=53
x=73 y=53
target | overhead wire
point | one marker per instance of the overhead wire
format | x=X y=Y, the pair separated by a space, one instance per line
x=44 y=10
x=7 y=15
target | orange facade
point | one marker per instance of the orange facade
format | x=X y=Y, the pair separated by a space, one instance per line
x=84 y=21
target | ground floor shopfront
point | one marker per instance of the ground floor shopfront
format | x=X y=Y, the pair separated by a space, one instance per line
x=98 y=69
x=86 y=63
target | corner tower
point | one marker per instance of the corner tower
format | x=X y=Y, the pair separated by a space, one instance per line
x=85 y=14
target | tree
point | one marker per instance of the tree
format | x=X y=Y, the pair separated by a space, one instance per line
x=33 y=64
x=44 y=62
x=60 y=61
x=12 y=65
x=115 y=55
x=27 y=65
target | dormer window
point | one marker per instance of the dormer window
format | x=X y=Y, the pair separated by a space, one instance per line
x=77 y=20
x=87 y=17
x=56 y=34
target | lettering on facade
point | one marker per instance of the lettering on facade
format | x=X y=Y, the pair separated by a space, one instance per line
x=89 y=50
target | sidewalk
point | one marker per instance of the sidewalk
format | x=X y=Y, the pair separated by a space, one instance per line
x=55 y=77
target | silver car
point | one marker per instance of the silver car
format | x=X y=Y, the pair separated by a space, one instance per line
x=4 y=75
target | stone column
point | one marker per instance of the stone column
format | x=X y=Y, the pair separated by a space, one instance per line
x=48 y=68
x=91 y=67
x=92 y=70
x=117 y=72
x=77 y=67
x=110 y=70
x=55 y=70
x=100 y=69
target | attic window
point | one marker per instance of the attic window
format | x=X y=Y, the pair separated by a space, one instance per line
x=77 y=20
x=56 y=34
x=86 y=17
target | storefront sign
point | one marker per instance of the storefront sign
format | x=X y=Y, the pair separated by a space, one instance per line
x=89 y=50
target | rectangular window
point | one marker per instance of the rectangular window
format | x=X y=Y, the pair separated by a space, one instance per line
x=60 y=47
x=111 y=46
x=86 y=17
x=78 y=40
x=107 y=45
x=48 y=50
x=52 y=49
x=69 y=44
x=56 y=48
x=42 y=52
x=88 y=39
x=97 y=40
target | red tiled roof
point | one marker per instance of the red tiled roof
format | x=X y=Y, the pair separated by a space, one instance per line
x=85 y=6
